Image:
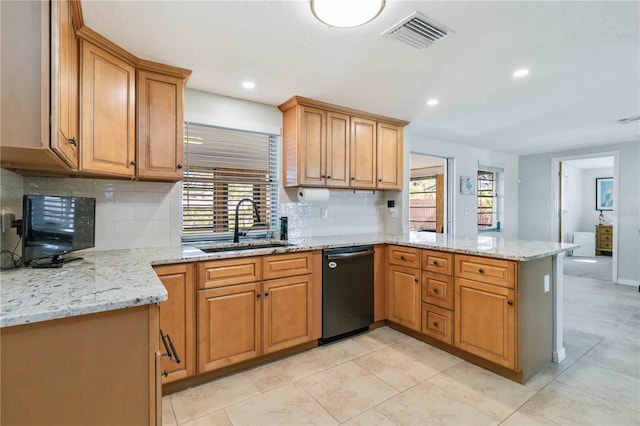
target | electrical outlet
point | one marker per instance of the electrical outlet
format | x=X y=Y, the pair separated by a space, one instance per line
x=6 y=219
x=547 y=286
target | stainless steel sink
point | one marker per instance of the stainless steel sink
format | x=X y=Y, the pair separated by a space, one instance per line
x=247 y=246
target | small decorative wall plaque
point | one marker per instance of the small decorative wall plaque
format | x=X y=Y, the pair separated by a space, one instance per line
x=467 y=186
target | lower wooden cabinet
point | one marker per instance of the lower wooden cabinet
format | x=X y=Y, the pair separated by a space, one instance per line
x=403 y=297
x=228 y=325
x=485 y=321
x=178 y=318
x=286 y=312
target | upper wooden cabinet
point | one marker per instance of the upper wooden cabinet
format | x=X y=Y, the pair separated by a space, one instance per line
x=160 y=112
x=69 y=102
x=326 y=145
x=107 y=111
x=64 y=84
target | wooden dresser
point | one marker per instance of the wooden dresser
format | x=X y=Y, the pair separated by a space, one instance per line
x=604 y=239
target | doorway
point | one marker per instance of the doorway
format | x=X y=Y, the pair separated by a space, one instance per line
x=584 y=216
x=429 y=198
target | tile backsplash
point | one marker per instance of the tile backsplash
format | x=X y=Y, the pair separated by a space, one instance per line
x=128 y=214
x=148 y=214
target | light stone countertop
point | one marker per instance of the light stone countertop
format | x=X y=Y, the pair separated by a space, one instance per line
x=119 y=279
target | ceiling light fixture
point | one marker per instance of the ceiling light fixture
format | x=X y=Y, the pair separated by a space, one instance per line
x=346 y=13
x=248 y=85
x=521 y=73
x=433 y=102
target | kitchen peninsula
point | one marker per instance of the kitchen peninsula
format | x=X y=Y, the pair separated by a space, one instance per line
x=105 y=283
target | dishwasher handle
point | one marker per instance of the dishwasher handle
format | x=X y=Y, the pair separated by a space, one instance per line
x=349 y=255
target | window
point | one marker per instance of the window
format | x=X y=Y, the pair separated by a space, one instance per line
x=487 y=200
x=222 y=167
x=422 y=203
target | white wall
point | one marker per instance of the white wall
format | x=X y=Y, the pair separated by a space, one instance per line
x=466 y=160
x=573 y=206
x=536 y=201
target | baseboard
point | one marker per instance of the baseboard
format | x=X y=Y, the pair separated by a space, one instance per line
x=624 y=281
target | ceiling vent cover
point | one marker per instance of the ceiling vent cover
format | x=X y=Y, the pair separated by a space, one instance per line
x=417 y=31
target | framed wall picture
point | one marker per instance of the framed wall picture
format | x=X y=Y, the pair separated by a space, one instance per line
x=467 y=186
x=604 y=193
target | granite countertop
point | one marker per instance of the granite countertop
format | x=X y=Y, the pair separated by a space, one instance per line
x=117 y=279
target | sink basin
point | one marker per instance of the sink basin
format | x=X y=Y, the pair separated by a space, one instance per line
x=250 y=246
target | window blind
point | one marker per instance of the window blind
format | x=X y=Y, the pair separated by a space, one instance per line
x=222 y=167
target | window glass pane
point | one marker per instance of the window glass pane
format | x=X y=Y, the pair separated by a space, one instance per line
x=222 y=167
x=422 y=204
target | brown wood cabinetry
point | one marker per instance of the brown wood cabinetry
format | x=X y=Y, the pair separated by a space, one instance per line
x=486 y=270
x=437 y=323
x=404 y=256
x=389 y=156
x=437 y=295
x=159 y=121
x=327 y=145
x=65 y=84
x=107 y=113
x=178 y=318
x=403 y=296
x=90 y=369
x=604 y=239
x=485 y=321
x=252 y=306
x=437 y=261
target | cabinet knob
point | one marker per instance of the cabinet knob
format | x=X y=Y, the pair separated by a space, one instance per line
x=402 y=257
x=415 y=279
x=328 y=177
x=435 y=290
x=179 y=166
x=73 y=141
x=379 y=180
x=322 y=176
x=266 y=293
x=435 y=262
x=258 y=295
x=165 y=373
x=353 y=178
x=435 y=323
x=481 y=270
x=510 y=302
x=133 y=163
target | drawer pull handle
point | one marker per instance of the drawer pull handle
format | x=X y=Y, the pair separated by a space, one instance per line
x=168 y=346
x=402 y=257
x=510 y=302
x=481 y=270
x=435 y=323
x=72 y=141
x=435 y=290
x=133 y=163
x=435 y=262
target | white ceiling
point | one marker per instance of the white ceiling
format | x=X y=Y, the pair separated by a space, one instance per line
x=584 y=59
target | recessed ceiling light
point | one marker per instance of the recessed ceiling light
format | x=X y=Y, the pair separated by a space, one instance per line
x=248 y=84
x=521 y=73
x=433 y=102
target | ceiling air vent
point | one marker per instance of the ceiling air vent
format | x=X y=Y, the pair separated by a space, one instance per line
x=629 y=120
x=417 y=31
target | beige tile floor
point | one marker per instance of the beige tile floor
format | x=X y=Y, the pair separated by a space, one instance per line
x=386 y=378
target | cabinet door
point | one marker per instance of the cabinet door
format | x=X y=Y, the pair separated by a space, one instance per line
x=312 y=147
x=403 y=300
x=389 y=156
x=160 y=126
x=286 y=312
x=228 y=325
x=337 y=150
x=178 y=318
x=64 y=84
x=107 y=111
x=363 y=153
x=485 y=321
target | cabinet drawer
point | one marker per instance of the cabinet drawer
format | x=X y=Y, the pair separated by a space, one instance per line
x=603 y=230
x=404 y=256
x=219 y=273
x=437 y=261
x=437 y=289
x=486 y=270
x=605 y=245
x=605 y=238
x=286 y=265
x=437 y=323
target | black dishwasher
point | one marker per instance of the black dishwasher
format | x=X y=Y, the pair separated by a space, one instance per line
x=347 y=291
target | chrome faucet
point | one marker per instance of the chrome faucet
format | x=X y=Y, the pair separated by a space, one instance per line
x=236 y=232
